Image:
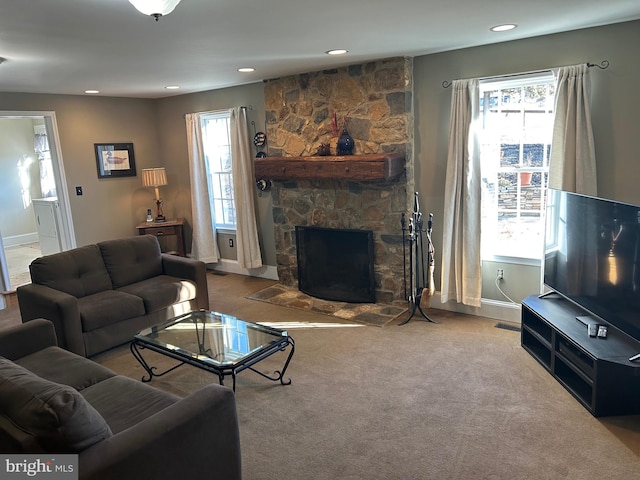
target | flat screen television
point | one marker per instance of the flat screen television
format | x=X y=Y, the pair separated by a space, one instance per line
x=592 y=257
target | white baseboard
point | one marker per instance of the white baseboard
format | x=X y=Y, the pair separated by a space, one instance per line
x=23 y=239
x=231 y=266
x=509 y=312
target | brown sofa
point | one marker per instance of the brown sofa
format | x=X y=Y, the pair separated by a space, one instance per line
x=99 y=296
x=53 y=401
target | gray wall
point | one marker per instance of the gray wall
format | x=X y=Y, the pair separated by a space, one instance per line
x=615 y=107
x=109 y=208
x=112 y=208
x=172 y=136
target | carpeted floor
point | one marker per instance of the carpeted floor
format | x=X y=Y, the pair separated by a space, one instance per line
x=367 y=313
x=455 y=400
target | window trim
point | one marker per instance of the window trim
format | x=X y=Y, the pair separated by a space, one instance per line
x=219 y=226
x=503 y=83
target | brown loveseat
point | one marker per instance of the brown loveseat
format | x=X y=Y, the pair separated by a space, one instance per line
x=53 y=401
x=99 y=296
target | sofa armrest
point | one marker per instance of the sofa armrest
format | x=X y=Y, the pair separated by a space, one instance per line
x=190 y=269
x=40 y=301
x=197 y=437
x=27 y=338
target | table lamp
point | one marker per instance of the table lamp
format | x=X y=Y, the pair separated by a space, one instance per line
x=155 y=177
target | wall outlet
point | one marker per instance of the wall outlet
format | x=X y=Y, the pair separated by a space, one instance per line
x=500 y=274
x=231 y=242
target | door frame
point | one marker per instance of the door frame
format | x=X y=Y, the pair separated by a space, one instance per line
x=68 y=237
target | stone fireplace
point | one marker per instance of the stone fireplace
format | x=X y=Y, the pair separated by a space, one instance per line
x=376 y=98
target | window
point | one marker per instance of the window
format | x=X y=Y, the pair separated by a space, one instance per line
x=517 y=121
x=217 y=151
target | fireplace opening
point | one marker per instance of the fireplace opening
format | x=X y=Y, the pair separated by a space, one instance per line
x=336 y=264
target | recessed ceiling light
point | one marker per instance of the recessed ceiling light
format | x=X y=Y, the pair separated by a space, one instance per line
x=172 y=87
x=92 y=92
x=337 y=51
x=504 y=27
x=247 y=69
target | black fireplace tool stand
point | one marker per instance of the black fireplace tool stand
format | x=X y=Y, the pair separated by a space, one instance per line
x=420 y=279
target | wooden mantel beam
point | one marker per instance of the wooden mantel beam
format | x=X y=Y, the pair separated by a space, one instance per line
x=357 y=168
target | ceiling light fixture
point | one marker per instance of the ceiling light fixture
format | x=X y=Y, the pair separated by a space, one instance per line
x=155 y=8
x=247 y=69
x=172 y=87
x=337 y=51
x=92 y=92
x=504 y=27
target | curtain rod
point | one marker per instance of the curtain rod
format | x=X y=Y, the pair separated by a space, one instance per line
x=249 y=107
x=604 y=64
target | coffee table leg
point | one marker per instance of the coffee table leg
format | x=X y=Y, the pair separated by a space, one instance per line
x=286 y=364
x=279 y=373
x=135 y=350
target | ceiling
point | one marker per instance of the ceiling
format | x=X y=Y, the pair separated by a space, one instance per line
x=69 y=46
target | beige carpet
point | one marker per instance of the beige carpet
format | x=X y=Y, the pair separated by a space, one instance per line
x=367 y=313
x=460 y=399
x=456 y=400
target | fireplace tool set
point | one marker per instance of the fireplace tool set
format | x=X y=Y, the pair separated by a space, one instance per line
x=420 y=286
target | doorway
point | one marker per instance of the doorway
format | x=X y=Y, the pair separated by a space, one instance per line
x=31 y=176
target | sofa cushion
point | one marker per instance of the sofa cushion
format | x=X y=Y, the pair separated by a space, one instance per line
x=124 y=402
x=61 y=366
x=105 y=308
x=133 y=259
x=78 y=272
x=162 y=291
x=56 y=415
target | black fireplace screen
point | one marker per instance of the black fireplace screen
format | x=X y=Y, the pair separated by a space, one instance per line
x=336 y=264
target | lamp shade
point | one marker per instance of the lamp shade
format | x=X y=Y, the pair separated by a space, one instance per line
x=154 y=177
x=155 y=8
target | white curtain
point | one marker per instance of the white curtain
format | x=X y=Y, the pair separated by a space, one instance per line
x=461 y=276
x=244 y=190
x=572 y=164
x=41 y=147
x=204 y=246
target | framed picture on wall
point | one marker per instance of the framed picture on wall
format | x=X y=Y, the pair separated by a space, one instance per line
x=115 y=160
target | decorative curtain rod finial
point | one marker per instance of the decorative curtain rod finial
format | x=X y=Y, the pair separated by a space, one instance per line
x=603 y=65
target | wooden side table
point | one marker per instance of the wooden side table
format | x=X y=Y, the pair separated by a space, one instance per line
x=173 y=226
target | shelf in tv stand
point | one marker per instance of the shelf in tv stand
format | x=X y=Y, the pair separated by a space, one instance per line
x=597 y=372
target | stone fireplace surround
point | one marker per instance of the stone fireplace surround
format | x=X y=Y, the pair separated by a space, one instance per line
x=377 y=98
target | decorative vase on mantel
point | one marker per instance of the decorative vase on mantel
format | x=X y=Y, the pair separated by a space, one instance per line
x=345 y=143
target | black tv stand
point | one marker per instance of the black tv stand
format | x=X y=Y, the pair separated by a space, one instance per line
x=596 y=371
x=550 y=292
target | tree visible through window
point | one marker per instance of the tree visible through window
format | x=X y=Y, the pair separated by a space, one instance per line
x=517 y=122
x=217 y=150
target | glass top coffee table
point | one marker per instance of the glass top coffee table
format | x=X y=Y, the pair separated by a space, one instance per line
x=218 y=343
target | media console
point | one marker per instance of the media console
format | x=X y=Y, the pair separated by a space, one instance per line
x=596 y=371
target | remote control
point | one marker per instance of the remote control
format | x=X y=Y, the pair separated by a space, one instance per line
x=634 y=358
x=592 y=328
x=602 y=331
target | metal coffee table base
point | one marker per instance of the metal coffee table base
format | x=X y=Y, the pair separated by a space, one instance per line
x=246 y=363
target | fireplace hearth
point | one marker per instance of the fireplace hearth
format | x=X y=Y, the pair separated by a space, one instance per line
x=336 y=264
